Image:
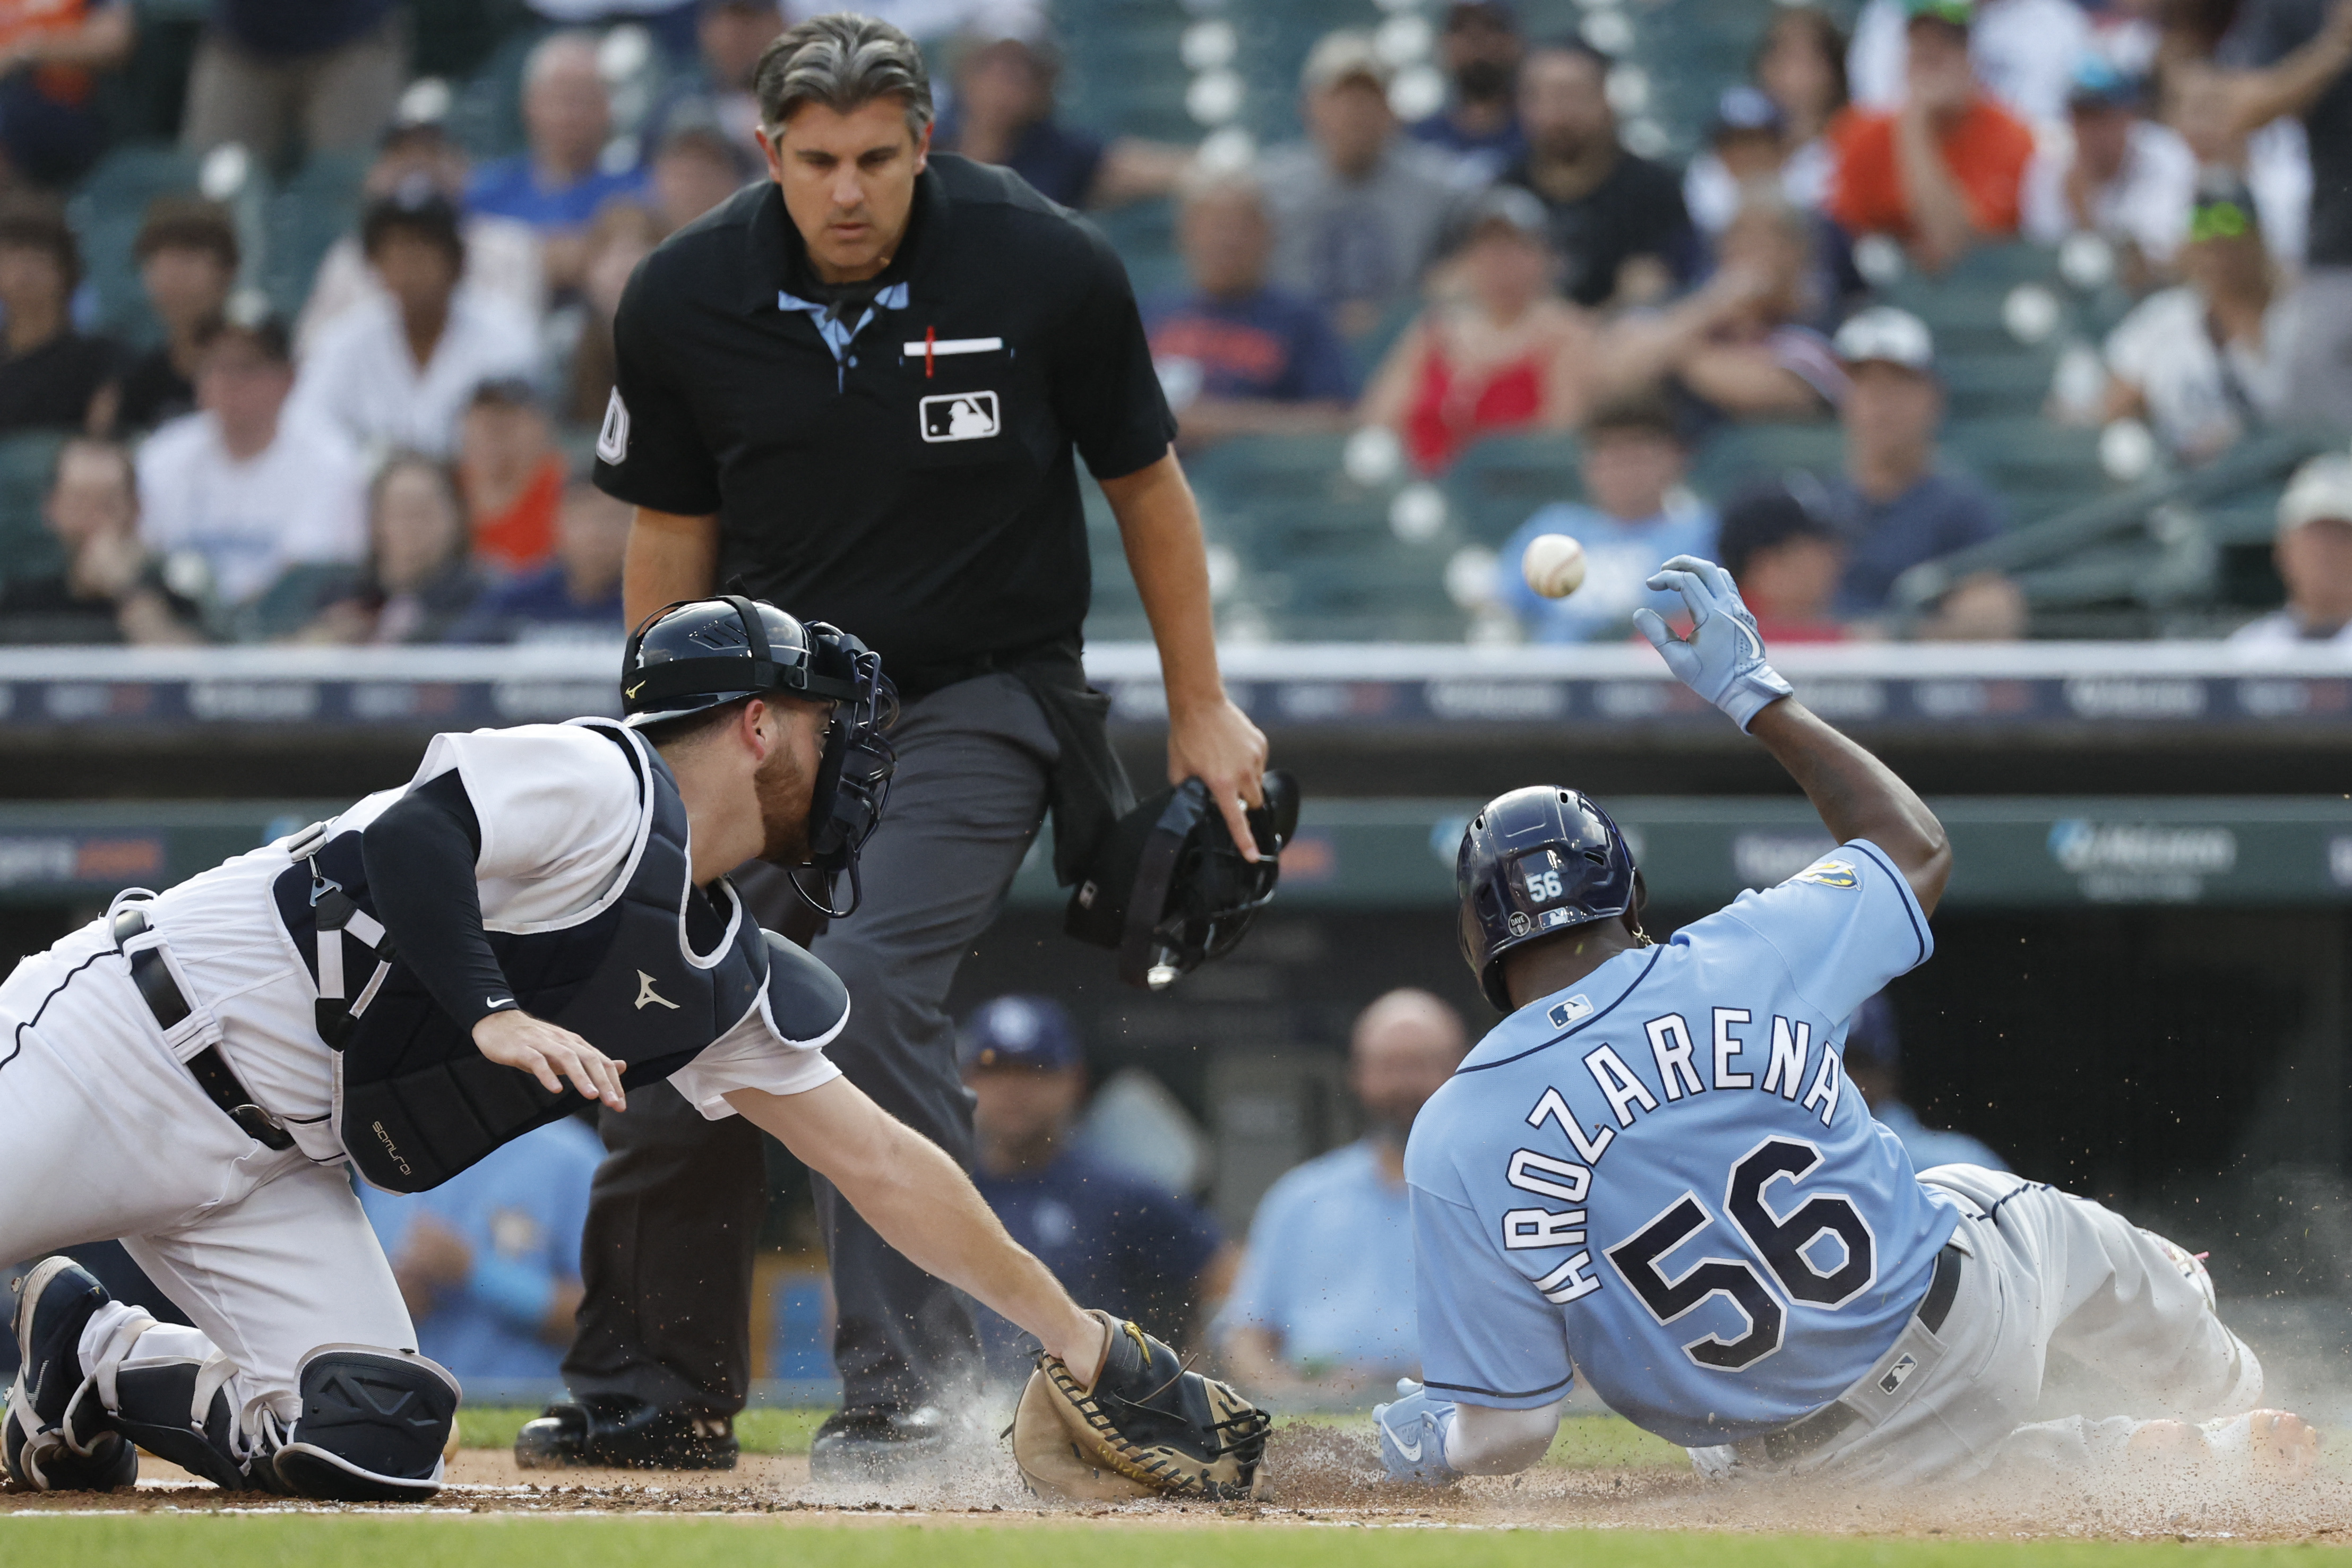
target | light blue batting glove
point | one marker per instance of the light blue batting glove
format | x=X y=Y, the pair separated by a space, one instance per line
x=1412 y=1436
x=1723 y=661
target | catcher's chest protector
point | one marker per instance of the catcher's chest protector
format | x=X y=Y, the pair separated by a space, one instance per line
x=415 y=1102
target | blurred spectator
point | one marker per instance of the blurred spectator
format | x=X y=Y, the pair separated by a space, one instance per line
x=1800 y=66
x=398 y=370
x=489 y=1262
x=1873 y=1060
x=2294 y=58
x=1002 y=111
x=1746 y=147
x=510 y=474
x=187 y=255
x=247 y=487
x=623 y=235
x=1739 y=346
x=50 y=54
x=693 y=170
x=2022 y=51
x=1634 y=515
x=670 y=22
x=1359 y=212
x=1780 y=546
x=931 y=23
x=52 y=378
x=716 y=89
x=576 y=597
x=2204 y=363
x=419 y=580
x=1504 y=353
x=1238 y=355
x=111 y=589
x=557 y=184
x=1480 y=49
x=1946 y=168
x=1896 y=505
x=267 y=72
x=501 y=253
x=1115 y=1240
x=1320 y=1298
x=2314 y=554
x=1617 y=220
x=2117 y=175
x=2273 y=160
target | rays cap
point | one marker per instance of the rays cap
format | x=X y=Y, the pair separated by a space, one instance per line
x=1033 y=1032
x=1342 y=57
x=2321 y=491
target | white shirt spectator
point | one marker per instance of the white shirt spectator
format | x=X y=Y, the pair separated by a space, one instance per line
x=2200 y=396
x=302 y=499
x=2147 y=203
x=502 y=262
x=1713 y=195
x=2280 y=629
x=362 y=378
x=2024 y=52
x=2278 y=171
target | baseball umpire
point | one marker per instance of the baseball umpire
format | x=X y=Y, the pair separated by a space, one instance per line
x=1655 y=1171
x=856 y=388
x=416 y=982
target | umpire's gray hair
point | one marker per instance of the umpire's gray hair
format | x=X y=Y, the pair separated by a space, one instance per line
x=842 y=61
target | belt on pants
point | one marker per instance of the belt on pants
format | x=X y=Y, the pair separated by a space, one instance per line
x=210 y=1068
x=1802 y=1437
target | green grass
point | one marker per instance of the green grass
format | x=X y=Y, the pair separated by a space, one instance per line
x=1585 y=1442
x=165 y=1542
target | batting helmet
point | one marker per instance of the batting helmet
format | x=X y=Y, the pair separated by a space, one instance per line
x=1535 y=862
x=700 y=654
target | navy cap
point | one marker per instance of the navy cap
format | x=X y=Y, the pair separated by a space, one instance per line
x=1745 y=111
x=1019 y=1032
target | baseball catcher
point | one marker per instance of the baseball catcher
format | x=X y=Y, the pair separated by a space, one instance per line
x=1139 y=1425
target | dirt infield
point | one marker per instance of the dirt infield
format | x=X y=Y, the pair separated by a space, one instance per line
x=1326 y=1476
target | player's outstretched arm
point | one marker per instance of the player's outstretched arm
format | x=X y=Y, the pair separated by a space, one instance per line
x=921 y=1203
x=1858 y=795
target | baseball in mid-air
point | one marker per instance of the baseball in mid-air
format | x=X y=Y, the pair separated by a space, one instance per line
x=1553 y=565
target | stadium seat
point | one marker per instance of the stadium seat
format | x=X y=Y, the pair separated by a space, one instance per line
x=302 y=218
x=1497 y=483
x=27 y=548
x=1737 y=455
x=107 y=213
x=2039 y=467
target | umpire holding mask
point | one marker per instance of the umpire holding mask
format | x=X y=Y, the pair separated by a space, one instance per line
x=858 y=389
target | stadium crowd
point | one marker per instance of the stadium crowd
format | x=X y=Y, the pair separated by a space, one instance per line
x=393 y=448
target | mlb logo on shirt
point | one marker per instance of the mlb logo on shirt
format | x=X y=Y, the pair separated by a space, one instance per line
x=959 y=417
x=1569 y=1011
x=1899 y=1373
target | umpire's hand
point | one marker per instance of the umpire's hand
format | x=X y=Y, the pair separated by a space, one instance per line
x=550 y=1054
x=1216 y=744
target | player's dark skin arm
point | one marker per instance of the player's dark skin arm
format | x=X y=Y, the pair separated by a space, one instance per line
x=1858 y=796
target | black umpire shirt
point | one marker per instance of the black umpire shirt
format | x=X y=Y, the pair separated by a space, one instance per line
x=917 y=487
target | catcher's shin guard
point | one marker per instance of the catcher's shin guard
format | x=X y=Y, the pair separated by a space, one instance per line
x=373 y=1427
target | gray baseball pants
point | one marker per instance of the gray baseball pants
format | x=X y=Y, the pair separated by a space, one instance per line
x=674 y=1217
x=2045 y=1271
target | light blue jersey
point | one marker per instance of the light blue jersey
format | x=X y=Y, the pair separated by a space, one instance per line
x=1662 y=1177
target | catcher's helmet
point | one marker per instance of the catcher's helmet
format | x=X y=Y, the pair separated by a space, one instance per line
x=1535 y=862
x=1169 y=891
x=699 y=654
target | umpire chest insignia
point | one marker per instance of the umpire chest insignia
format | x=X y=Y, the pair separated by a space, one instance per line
x=959 y=417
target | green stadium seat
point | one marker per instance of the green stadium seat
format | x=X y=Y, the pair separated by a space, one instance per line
x=318 y=204
x=27 y=548
x=1497 y=484
x=2039 y=467
x=1737 y=455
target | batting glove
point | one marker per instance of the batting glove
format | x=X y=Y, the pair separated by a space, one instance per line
x=1723 y=659
x=1412 y=1436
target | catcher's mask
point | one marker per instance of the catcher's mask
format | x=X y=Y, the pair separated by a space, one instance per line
x=700 y=653
x=1169 y=891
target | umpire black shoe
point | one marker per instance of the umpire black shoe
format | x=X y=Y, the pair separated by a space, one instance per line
x=53 y=1302
x=874 y=1443
x=625 y=1433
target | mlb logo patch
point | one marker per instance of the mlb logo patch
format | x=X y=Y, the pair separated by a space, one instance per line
x=1569 y=1011
x=1898 y=1373
x=1829 y=874
x=959 y=417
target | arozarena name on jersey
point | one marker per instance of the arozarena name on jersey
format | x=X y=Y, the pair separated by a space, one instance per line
x=1673 y=1048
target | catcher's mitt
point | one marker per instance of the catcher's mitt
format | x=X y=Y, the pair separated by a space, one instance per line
x=1146 y=1427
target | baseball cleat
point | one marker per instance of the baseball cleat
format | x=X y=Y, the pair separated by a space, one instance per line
x=873 y=1444
x=625 y=1433
x=53 y=1302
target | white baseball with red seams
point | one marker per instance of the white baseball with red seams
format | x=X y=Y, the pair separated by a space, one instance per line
x=1553 y=565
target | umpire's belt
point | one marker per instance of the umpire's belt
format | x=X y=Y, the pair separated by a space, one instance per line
x=153 y=975
x=1907 y=1361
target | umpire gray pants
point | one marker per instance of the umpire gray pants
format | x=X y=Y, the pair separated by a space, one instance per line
x=674 y=1217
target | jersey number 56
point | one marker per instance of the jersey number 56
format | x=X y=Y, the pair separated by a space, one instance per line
x=1793 y=1247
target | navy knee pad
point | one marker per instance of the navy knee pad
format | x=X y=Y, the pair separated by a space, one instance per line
x=373 y=1427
